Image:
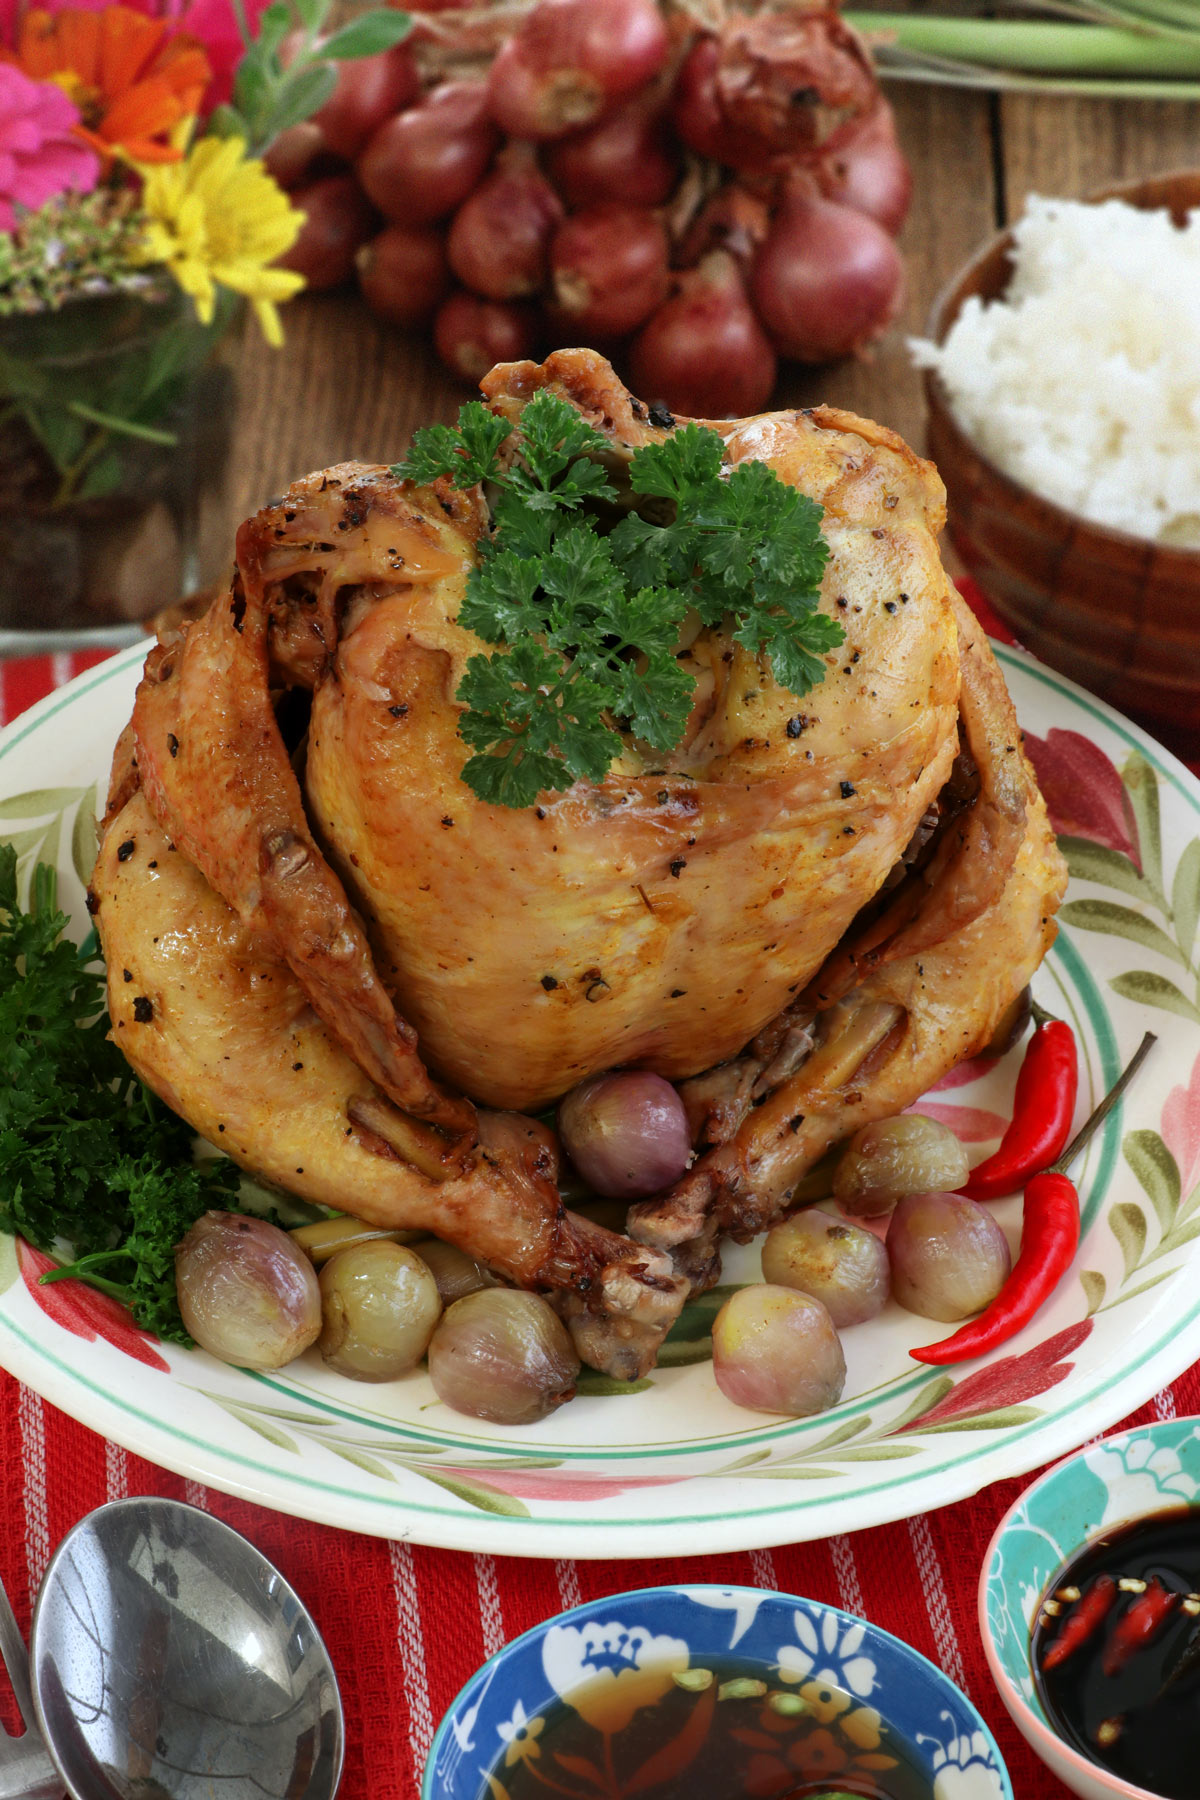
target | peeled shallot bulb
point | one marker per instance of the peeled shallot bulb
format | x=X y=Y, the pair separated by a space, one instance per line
x=626 y=1133
x=247 y=1293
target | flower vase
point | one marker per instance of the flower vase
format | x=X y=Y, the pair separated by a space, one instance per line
x=114 y=426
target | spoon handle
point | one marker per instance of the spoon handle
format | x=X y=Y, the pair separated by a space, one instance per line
x=26 y=1772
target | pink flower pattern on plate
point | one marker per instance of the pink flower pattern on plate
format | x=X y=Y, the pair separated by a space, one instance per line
x=970 y=1124
x=537 y=1484
x=1181 y=1129
x=40 y=157
x=85 y=1311
x=1083 y=791
x=1010 y=1380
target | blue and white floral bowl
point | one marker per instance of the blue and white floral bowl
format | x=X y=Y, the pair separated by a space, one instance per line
x=811 y=1648
x=1108 y=1483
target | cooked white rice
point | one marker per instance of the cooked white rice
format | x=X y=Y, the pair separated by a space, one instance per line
x=1083 y=382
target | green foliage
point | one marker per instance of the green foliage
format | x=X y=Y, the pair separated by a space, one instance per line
x=88 y=1155
x=586 y=623
x=269 y=97
x=95 y=382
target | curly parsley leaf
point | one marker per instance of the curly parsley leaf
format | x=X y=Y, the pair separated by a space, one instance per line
x=467 y=452
x=585 y=621
x=88 y=1156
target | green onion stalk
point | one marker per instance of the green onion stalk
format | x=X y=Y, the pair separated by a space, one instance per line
x=1125 y=49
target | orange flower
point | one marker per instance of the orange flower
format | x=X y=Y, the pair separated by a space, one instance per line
x=132 y=80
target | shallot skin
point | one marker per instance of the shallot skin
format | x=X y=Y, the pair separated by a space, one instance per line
x=703 y=353
x=569 y=61
x=472 y=334
x=863 y=166
x=247 y=1294
x=775 y=1350
x=949 y=1257
x=827 y=281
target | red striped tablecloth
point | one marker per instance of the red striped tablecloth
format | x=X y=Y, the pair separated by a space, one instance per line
x=407 y=1625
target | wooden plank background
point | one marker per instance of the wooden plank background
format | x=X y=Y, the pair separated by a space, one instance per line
x=346 y=386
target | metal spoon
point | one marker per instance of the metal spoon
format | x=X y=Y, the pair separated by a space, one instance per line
x=171 y=1661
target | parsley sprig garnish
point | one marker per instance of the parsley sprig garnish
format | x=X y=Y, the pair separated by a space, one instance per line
x=586 y=620
x=88 y=1155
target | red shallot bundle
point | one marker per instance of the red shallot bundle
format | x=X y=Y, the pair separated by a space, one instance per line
x=699 y=189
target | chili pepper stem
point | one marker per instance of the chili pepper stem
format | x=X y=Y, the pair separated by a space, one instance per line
x=1040 y=1016
x=1092 y=1124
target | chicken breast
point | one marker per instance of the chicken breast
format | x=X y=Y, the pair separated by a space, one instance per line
x=660 y=918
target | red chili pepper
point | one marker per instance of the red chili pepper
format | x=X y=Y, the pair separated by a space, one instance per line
x=1083 y=1619
x=1043 y=1107
x=1049 y=1239
x=1135 y=1628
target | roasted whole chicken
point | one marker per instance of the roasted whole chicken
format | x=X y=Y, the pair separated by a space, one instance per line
x=363 y=982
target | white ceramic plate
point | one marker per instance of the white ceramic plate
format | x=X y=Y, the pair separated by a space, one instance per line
x=670 y=1466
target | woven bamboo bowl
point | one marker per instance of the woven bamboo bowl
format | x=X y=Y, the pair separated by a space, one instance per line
x=1119 y=614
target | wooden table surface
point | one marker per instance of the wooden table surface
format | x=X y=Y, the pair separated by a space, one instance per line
x=346 y=386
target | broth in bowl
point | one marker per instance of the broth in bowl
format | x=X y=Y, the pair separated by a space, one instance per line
x=729 y=1725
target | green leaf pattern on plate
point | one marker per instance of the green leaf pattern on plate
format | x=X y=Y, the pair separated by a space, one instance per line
x=380 y=1457
x=1174 y=939
x=49 y=810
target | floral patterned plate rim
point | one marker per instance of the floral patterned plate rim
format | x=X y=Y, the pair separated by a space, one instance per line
x=861 y=1687
x=667 y=1465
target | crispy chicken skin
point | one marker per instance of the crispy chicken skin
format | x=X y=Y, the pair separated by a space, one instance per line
x=808 y=911
x=224 y=1033
x=661 y=918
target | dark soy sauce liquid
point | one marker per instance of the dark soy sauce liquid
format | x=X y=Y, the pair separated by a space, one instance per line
x=1157 y=1745
x=689 y=1744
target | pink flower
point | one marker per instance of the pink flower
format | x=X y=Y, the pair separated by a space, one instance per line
x=1083 y=790
x=84 y=1311
x=533 y=1484
x=970 y=1124
x=214 y=22
x=39 y=155
x=1181 y=1129
x=1011 y=1379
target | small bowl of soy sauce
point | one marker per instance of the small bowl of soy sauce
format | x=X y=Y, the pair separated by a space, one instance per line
x=711 y=1693
x=1089 y=1606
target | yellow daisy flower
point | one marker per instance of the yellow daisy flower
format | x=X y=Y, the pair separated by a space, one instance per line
x=219 y=217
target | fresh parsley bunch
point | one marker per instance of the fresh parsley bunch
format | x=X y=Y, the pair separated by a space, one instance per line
x=88 y=1155
x=587 y=620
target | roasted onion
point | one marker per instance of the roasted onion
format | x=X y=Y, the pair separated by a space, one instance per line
x=775 y=1350
x=246 y=1292
x=503 y=1355
x=626 y=1133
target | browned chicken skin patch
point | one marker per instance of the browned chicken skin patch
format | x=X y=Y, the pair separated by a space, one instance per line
x=806 y=913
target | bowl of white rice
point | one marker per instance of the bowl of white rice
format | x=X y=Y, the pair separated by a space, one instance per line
x=1063 y=384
